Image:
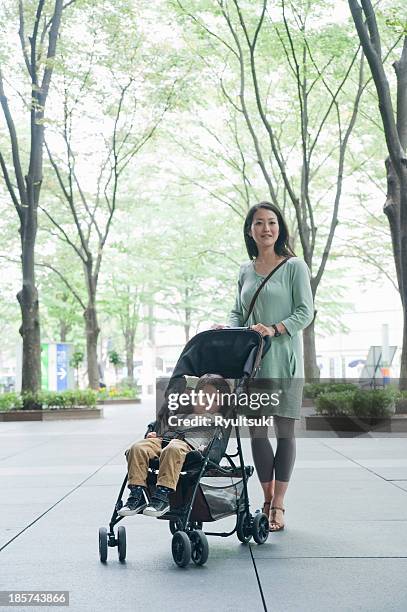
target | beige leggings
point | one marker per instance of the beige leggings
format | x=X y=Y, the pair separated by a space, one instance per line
x=171 y=457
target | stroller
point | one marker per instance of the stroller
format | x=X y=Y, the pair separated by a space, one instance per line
x=207 y=491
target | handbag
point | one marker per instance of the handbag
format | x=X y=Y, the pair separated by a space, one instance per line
x=254 y=298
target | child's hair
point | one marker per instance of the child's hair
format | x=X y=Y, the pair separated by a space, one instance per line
x=179 y=385
x=215 y=380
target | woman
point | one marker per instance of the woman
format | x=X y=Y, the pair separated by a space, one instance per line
x=283 y=307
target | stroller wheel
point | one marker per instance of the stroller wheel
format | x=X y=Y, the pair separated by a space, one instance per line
x=243 y=528
x=121 y=543
x=260 y=529
x=103 y=544
x=200 y=547
x=181 y=548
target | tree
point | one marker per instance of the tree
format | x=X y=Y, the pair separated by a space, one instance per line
x=24 y=188
x=298 y=94
x=123 y=290
x=76 y=361
x=129 y=111
x=116 y=361
x=395 y=132
x=61 y=315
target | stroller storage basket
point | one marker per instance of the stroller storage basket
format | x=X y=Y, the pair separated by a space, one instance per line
x=222 y=495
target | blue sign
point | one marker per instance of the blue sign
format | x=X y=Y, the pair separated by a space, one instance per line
x=62 y=367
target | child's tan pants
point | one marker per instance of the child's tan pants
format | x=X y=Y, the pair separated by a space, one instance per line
x=171 y=457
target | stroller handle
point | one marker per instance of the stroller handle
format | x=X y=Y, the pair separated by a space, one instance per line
x=266 y=339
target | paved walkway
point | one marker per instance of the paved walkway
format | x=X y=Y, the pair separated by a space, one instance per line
x=344 y=548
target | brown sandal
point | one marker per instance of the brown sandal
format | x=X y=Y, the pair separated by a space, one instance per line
x=264 y=511
x=276 y=525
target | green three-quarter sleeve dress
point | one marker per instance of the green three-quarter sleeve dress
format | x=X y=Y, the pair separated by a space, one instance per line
x=285 y=298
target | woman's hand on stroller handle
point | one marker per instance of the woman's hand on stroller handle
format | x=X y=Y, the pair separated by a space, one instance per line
x=264 y=330
x=151 y=434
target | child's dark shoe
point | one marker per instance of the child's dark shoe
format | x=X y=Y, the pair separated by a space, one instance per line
x=160 y=503
x=136 y=502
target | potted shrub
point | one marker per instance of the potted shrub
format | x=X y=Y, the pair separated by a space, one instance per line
x=356 y=410
x=52 y=404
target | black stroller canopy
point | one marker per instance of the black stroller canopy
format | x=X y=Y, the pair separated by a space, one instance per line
x=230 y=352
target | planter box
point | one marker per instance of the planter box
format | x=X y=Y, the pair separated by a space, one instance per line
x=125 y=400
x=21 y=415
x=356 y=424
x=51 y=415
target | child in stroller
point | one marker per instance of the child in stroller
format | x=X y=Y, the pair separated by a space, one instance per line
x=171 y=446
x=207 y=490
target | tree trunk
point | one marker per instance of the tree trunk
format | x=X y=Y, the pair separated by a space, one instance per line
x=187 y=311
x=92 y=333
x=28 y=300
x=311 y=370
x=64 y=329
x=30 y=332
x=187 y=324
x=129 y=344
x=403 y=274
x=395 y=209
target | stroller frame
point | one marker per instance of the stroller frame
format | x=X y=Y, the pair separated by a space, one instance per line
x=189 y=540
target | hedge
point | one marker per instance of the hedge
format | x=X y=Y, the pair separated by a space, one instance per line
x=313 y=390
x=358 y=402
x=50 y=399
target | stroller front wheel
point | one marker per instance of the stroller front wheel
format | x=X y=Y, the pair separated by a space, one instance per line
x=200 y=547
x=243 y=528
x=103 y=544
x=260 y=528
x=181 y=548
x=121 y=543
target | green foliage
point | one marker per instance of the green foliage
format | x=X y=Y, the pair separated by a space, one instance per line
x=68 y=399
x=119 y=392
x=375 y=402
x=335 y=403
x=313 y=390
x=115 y=359
x=76 y=359
x=357 y=402
x=396 y=21
x=50 y=399
x=10 y=401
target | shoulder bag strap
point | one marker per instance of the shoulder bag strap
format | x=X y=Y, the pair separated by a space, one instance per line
x=254 y=298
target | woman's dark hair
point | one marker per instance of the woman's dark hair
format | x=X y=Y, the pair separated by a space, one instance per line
x=282 y=246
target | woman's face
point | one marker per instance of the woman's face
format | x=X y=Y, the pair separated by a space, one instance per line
x=264 y=228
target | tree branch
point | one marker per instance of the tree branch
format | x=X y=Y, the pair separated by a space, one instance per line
x=379 y=76
x=11 y=188
x=70 y=201
x=207 y=30
x=63 y=232
x=53 y=35
x=246 y=115
x=22 y=37
x=14 y=145
x=63 y=279
x=400 y=68
x=342 y=153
